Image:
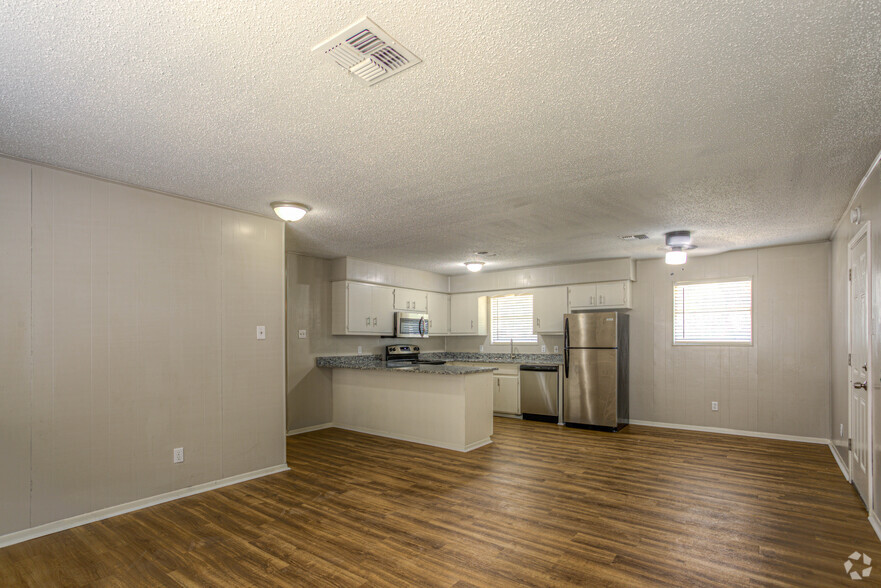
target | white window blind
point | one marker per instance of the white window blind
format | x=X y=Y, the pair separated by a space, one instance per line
x=511 y=318
x=713 y=312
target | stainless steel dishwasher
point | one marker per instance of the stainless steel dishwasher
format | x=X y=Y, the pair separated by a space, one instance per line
x=538 y=392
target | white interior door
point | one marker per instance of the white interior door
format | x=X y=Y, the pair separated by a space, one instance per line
x=860 y=386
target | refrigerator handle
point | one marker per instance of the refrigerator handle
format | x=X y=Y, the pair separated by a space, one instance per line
x=566 y=348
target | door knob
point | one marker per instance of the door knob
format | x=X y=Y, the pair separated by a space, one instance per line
x=861 y=385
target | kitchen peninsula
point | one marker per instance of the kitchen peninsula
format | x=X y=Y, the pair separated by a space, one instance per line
x=440 y=405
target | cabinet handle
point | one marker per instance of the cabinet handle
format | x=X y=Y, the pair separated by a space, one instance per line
x=591 y=300
x=472 y=324
x=374 y=321
x=368 y=321
x=538 y=321
x=601 y=299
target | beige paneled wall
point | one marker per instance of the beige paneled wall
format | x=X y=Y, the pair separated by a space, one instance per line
x=15 y=345
x=310 y=390
x=779 y=385
x=144 y=315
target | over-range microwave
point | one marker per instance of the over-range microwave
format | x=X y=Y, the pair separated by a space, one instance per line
x=411 y=324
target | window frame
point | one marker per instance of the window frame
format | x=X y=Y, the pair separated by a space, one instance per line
x=506 y=344
x=752 y=313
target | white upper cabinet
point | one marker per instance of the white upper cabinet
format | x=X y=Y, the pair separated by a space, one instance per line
x=467 y=314
x=582 y=296
x=438 y=314
x=614 y=294
x=362 y=309
x=412 y=300
x=603 y=295
x=548 y=308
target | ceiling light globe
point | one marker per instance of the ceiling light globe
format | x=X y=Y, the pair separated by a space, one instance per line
x=676 y=257
x=290 y=211
x=474 y=266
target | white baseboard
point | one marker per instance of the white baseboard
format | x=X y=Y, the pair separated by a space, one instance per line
x=732 y=432
x=839 y=461
x=876 y=524
x=309 y=429
x=414 y=439
x=105 y=513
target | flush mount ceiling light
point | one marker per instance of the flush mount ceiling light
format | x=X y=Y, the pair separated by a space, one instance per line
x=474 y=266
x=290 y=211
x=678 y=243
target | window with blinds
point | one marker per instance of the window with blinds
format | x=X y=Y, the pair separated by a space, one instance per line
x=718 y=312
x=511 y=318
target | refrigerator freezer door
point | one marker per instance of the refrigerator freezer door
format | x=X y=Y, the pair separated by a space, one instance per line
x=592 y=329
x=590 y=392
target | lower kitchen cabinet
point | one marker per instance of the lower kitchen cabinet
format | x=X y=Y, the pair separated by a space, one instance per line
x=506 y=394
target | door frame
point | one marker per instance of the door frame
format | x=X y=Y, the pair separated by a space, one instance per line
x=864 y=231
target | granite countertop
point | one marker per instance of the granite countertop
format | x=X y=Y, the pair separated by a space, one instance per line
x=374 y=362
x=518 y=358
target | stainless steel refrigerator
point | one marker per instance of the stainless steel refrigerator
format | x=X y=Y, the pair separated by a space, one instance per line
x=595 y=370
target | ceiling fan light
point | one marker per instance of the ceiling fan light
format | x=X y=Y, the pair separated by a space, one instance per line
x=474 y=266
x=290 y=211
x=676 y=256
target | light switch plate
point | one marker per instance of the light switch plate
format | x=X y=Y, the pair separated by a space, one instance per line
x=556 y=349
x=544 y=348
x=261 y=333
x=359 y=350
x=481 y=348
x=178 y=455
x=301 y=333
x=714 y=406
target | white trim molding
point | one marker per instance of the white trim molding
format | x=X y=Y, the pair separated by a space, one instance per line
x=415 y=439
x=106 y=513
x=742 y=433
x=309 y=429
x=876 y=524
x=839 y=461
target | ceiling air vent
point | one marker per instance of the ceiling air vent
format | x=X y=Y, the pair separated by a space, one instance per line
x=639 y=237
x=367 y=52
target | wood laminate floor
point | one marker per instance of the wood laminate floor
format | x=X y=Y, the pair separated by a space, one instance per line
x=542 y=506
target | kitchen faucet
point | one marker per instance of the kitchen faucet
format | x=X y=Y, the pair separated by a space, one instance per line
x=512 y=348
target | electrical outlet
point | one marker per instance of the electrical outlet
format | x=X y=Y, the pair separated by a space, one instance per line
x=359 y=350
x=481 y=348
x=301 y=333
x=178 y=455
x=556 y=349
x=841 y=431
x=261 y=333
x=714 y=406
x=544 y=348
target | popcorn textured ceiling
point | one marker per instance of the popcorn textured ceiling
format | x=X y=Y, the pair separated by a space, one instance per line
x=537 y=130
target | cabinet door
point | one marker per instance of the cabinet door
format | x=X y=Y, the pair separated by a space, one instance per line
x=419 y=300
x=463 y=313
x=582 y=296
x=506 y=396
x=412 y=300
x=359 y=301
x=438 y=314
x=549 y=306
x=612 y=294
x=383 y=310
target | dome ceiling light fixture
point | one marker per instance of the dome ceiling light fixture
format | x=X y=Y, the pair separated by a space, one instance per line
x=474 y=266
x=678 y=244
x=290 y=211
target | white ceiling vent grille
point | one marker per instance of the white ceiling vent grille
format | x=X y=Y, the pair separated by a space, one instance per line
x=367 y=52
